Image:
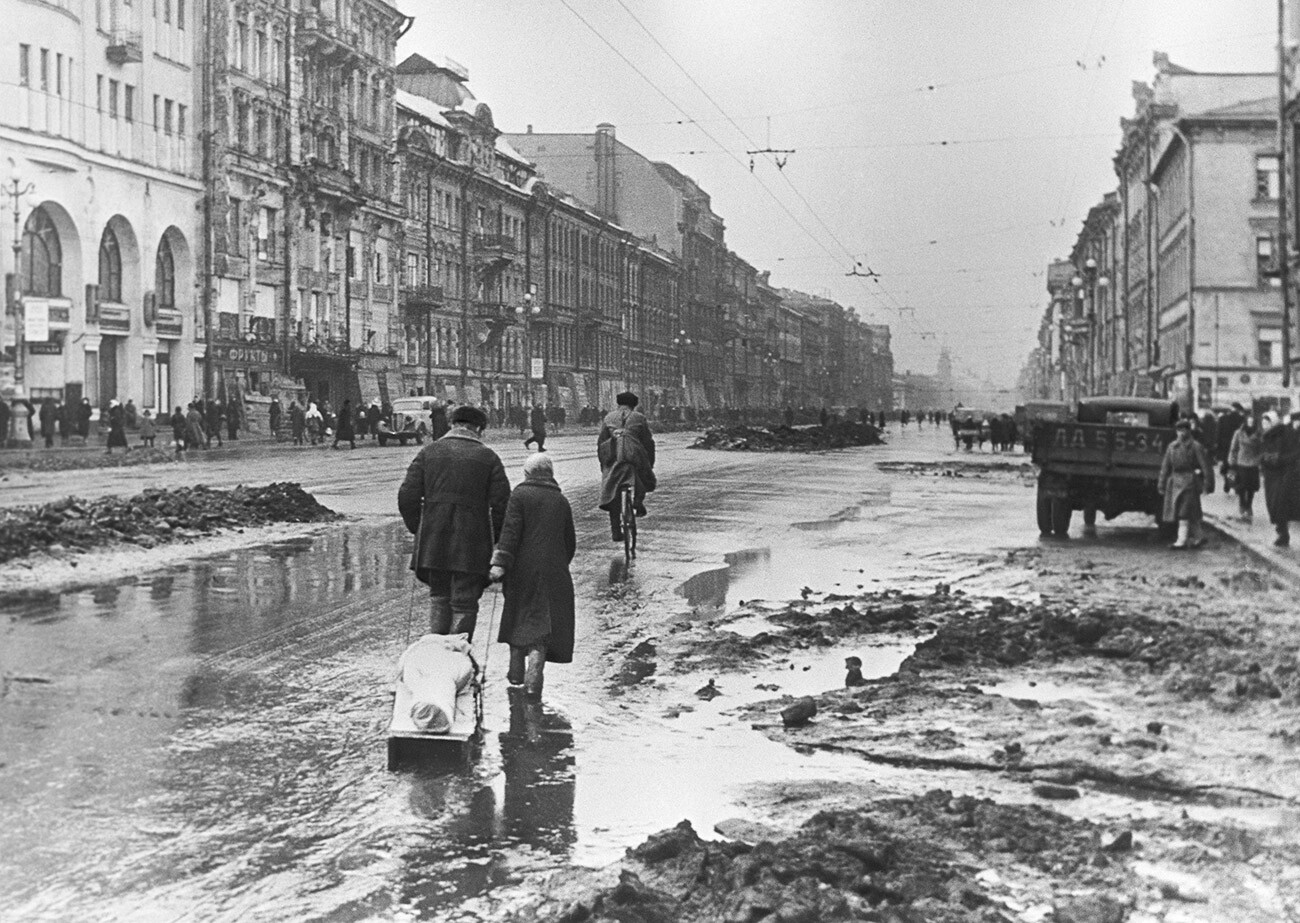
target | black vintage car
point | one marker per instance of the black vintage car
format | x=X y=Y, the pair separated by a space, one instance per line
x=1107 y=459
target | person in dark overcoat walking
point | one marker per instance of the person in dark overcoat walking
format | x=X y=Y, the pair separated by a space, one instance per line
x=537 y=421
x=48 y=417
x=532 y=559
x=1279 y=463
x=5 y=415
x=346 y=430
x=84 y=413
x=116 y=427
x=177 y=421
x=438 y=425
x=213 y=415
x=625 y=448
x=454 y=501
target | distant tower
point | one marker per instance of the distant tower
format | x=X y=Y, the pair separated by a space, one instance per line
x=944 y=371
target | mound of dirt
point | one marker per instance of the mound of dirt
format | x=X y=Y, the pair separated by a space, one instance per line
x=151 y=518
x=788 y=438
x=900 y=859
x=37 y=460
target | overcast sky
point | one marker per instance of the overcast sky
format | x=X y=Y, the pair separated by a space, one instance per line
x=1027 y=95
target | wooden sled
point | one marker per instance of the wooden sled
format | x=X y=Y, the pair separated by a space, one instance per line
x=406 y=741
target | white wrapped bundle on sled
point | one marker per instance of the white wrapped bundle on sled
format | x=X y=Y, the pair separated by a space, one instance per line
x=436 y=690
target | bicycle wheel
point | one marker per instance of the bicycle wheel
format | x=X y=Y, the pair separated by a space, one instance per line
x=628 y=522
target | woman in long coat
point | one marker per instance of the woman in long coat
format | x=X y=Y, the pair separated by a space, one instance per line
x=532 y=557
x=116 y=427
x=1279 y=462
x=1185 y=474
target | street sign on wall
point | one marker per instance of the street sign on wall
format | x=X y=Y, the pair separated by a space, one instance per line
x=538 y=369
x=36 y=321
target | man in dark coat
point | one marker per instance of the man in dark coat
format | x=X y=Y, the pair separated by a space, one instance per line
x=48 y=416
x=454 y=501
x=5 y=415
x=537 y=421
x=276 y=415
x=1279 y=463
x=626 y=450
x=438 y=426
x=213 y=413
x=84 y=413
x=345 y=431
x=532 y=556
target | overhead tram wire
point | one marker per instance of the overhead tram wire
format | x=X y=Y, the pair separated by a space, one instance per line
x=654 y=86
x=753 y=144
x=785 y=208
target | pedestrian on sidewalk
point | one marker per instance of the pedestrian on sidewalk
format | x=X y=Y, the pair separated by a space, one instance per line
x=454 y=501
x=315 y=421
x=1243 y=461
x=297 y=422
x=275 y=417
x=1185 y=474
x=214 y=413
x=195 y=437
x=532 y=561
x=178 y=430
x=1279 y=462
x=537 y=421
x=116 y=427
x=84 y=413
x=5 y=415
x=346 y=429
x=147 y=429
x=47 y=416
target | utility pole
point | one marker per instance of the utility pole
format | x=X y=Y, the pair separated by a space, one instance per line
x=1283 y=248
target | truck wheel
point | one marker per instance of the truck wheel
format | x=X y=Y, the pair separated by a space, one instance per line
x=1061 y=517
x=1044 y=514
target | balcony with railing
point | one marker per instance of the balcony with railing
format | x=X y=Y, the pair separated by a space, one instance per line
x=125 y=47
x=326 y=36
x=422 y=296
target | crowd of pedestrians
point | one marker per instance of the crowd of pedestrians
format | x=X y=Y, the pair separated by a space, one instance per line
x=1257 y=450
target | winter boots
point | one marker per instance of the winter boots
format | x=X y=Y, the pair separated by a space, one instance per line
x=1189 y=535
x=515 y=675
x=462 y=623
x=439 y=615
x=534 y=663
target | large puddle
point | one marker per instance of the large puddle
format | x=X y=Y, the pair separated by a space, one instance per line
x=213 y=735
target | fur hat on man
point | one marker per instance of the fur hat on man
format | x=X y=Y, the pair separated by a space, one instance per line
x=627 y=399
x=470 y=415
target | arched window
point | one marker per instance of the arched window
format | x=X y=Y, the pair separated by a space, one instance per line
x=110 y=267
x=42 y=263
x=164 y=273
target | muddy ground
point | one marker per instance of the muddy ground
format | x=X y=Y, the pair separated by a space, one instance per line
x=1116 y=738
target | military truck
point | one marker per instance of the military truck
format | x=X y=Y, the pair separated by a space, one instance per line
x=1107 y=459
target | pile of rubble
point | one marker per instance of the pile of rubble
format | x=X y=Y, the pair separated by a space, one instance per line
x=151 y=518
x=37 y=460
x=788 y=438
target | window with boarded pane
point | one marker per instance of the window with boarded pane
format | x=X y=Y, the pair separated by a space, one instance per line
x=42 y=257
x=165 y=276
x=110 y=267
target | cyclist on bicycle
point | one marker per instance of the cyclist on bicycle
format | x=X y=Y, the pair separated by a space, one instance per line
x=626 y=450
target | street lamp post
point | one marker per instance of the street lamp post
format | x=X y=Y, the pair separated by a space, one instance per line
x=681 y=341
x=526 y=312
x=18 y=420
x=1085 y=287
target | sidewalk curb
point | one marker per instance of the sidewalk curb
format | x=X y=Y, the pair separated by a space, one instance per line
x=1260 y=546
